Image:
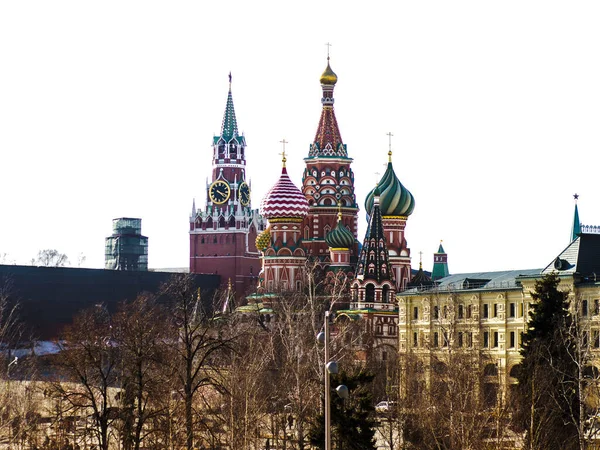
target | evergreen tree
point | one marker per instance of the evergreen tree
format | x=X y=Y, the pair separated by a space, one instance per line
x=352 y=423
x=547 y=393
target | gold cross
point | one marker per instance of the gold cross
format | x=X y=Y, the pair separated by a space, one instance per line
x=328 y=46
x=283 y=158
x=390 y=145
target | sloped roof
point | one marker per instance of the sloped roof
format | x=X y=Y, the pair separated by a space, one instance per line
x=504 y=279
x=581 y=256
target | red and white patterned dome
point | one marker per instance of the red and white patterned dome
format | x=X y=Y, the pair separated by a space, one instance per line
x=284 y=200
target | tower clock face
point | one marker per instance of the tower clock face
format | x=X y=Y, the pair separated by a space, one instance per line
x=219 y=192
x=244 y=193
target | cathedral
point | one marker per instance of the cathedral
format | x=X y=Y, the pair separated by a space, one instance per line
x=316 y=222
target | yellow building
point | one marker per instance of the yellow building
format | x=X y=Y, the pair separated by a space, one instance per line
x=484 y=314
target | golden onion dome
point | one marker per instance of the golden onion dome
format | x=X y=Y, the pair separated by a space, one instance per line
x=263 y=240
x=328 y=77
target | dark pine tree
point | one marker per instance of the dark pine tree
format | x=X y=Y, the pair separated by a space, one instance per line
x=352 y=423
x=547 y=396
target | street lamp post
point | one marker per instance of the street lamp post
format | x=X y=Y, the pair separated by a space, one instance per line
x=327 y=386
x=329 y=368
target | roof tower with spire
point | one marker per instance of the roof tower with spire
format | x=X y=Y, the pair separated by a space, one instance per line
x=328 y=140
x=576 y=229
x=229 y=127
x=374 y=263
x=440 y=264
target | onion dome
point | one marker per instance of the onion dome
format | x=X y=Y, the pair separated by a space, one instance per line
x=263 y=240
x=340 y=236
x=284 y=200
x=395 y=199
x=328 y=77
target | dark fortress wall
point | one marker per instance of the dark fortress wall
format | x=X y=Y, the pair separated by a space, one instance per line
x=49 y=297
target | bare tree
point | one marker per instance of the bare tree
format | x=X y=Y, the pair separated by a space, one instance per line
x=51 y=258
x=140 y=332
x=196 y=344
x=89 y=360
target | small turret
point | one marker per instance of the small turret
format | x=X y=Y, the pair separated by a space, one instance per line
x=440 y=264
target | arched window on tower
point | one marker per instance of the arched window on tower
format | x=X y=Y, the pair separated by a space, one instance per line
x=370 y=292
x=385 y=294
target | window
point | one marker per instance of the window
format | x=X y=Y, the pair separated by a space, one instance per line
x=461 y=312
x=445 y=311
x=486 y=339
x=495 y=309
x=512 y=339
x=511 y=310
x=586 y=338
x=596 y=338
x=486 y=311
x=522 y=307
x=385 y=294
x=496 y=341
x=370 y=293
x=460 y=338
x=445 y=339
x=416 y=313
x=436 y=312
x=436 y=340
x=469 y=311
x=392 y=329
x=415 y=339
x=379 y=329
x=521 y=339
x=596 y=307
x=469 y=339
x=584 y=308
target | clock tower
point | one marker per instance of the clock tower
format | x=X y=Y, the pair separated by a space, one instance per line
x=223 y=234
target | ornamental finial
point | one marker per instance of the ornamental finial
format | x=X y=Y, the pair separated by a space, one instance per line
x=575 y=196
x=339 y=211
x=328 y=47
x=420 y=260
x=390 y=146
x=230 y=80
x=283 y=158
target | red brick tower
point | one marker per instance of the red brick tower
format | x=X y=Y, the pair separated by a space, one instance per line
x=328 y=180
x=223 y=235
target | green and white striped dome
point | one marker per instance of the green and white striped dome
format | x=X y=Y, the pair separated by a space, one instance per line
x=394 y=198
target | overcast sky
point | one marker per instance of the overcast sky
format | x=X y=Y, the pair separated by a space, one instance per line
x=107 y=109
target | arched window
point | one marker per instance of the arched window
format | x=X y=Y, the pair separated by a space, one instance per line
x=370 y=293
x=385 y=293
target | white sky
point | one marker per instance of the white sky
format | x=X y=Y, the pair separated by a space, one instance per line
x=107 y=109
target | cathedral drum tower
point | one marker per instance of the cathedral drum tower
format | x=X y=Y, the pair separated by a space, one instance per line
x=328 y=180
x=223 y=235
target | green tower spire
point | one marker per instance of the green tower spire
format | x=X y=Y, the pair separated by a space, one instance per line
x=576 y=224
x=440 y=264
x=229 y=129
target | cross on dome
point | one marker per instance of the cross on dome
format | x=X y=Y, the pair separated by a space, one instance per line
x=283 y=158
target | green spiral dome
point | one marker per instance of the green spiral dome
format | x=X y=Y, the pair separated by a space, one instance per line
x=340 y=237
x=394 y=199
